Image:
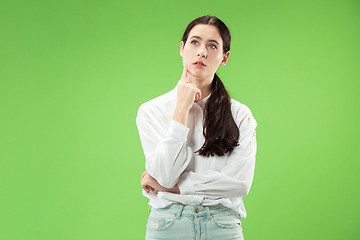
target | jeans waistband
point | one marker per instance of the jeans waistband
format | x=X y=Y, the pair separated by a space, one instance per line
x=200 y=210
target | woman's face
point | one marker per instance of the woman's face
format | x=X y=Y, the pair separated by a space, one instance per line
x=204 y=44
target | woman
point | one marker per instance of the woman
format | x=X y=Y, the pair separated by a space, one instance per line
x=199 y=145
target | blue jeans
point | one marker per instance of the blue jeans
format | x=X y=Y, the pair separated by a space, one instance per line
x=185 y=222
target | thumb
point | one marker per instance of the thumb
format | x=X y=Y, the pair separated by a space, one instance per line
x=198 y=95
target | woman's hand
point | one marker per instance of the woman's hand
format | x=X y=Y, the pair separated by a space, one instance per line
x=187 y=93
x=148 y=183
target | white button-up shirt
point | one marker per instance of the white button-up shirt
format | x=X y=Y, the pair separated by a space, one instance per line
x=169 y=150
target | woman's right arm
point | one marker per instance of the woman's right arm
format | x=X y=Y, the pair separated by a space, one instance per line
x=166 y=151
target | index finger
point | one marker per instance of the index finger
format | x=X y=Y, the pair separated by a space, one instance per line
x=184 y=74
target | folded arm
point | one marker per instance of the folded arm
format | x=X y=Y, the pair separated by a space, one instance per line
x=235 y=178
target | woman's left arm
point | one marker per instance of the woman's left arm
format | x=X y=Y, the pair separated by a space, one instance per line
x=235 y=178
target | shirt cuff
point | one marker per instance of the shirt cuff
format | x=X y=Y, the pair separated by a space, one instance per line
x=178 y=131
x=185 y=185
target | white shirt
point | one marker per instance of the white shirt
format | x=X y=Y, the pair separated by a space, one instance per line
x=169 y=150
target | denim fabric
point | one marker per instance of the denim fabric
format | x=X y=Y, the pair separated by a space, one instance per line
x=185 y=222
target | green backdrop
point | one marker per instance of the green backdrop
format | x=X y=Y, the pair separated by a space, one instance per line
x=73 y=74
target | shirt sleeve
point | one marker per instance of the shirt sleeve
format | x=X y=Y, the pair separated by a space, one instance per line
x=166 y=151
x=235 y=178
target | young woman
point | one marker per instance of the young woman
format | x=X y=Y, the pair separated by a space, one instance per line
x=199 y=145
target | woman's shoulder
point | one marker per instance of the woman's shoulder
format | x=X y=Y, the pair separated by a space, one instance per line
x=241 y=111
x=158 y=105
x=239 y=106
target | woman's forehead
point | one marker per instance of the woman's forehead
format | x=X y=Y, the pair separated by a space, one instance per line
x=206 y=32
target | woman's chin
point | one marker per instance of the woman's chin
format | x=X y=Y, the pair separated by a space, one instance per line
x=199 y=74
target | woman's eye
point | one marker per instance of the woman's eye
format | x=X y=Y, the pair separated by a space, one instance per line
x=213 y=47
x=194 y=41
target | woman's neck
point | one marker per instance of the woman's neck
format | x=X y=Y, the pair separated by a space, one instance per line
x=203 y=84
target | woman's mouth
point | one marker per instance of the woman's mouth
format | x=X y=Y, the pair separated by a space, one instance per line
x=199 y=64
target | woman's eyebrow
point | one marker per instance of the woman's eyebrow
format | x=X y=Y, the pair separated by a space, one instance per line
x=208 y=40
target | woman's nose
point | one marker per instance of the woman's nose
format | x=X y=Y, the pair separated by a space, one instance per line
x=202 y=52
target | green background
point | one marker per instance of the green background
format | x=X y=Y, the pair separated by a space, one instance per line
x=73 y=74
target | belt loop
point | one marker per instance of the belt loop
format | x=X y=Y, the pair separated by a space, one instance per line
x=178 y=214
x=208 y=212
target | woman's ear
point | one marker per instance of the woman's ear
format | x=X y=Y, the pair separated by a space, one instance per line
x=181 y=48
x=225 y=58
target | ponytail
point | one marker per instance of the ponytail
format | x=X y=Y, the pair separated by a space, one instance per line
x=220 y=130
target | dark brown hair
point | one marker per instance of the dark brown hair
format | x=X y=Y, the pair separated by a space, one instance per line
x=220 y=130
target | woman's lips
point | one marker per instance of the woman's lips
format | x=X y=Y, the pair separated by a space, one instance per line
x=199 y=65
